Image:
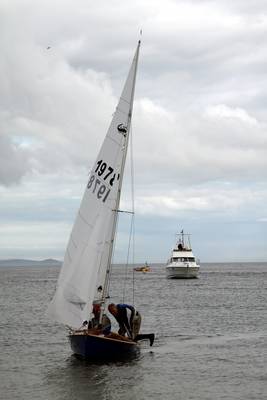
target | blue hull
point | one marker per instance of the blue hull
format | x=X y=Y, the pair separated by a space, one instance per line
x=94 y=347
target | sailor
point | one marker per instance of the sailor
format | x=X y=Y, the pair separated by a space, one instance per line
x=94 y=323
x=96 y=311
x=125 y=316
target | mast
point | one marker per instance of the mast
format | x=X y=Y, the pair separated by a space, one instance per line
x=116 y=210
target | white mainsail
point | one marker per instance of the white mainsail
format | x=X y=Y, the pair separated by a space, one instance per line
x=88 y=254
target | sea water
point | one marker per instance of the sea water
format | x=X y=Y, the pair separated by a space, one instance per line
x=210 y=337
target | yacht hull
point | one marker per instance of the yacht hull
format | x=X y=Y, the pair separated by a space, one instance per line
x=183 y=272
x=96 y=347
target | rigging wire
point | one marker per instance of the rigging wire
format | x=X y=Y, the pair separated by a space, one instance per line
x=133 y=210
x=111 y=263
x=127 y=261
x=132 y=226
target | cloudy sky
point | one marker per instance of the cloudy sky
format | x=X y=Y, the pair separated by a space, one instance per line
x=199 y=125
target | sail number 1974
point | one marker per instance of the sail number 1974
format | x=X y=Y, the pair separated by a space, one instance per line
x=99 y=188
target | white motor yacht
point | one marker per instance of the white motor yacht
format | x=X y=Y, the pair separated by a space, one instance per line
x=182 y=263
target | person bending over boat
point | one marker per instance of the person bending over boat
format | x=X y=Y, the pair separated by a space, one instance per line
x=124 y=315
x=129 y=321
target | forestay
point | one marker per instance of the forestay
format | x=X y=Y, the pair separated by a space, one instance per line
x=89 y=249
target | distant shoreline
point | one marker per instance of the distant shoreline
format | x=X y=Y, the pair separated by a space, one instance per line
x=51 y=262
x=16 y=262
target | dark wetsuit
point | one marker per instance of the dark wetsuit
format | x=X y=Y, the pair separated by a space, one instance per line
x=125 y=319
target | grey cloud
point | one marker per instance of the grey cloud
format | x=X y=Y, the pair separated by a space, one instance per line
x=195 y=57
x=14 y=161
x=221 y=143
x=199 y=118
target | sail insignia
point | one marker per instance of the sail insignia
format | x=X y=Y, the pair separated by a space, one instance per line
x=122 y=129
x=74 y=299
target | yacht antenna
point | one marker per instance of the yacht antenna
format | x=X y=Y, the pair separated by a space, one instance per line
x=182 y=233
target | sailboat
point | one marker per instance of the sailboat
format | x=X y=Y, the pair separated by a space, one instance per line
x=85 y=274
